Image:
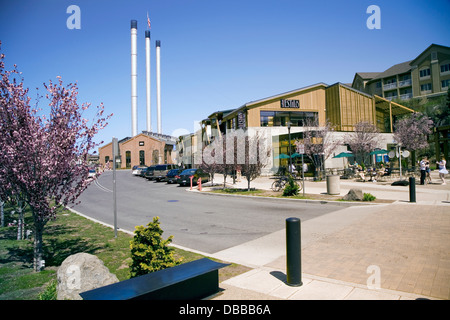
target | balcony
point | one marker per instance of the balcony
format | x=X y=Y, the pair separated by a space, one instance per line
x=390 y=98
x=390 y=86
x=406 y=96
x=404 y=83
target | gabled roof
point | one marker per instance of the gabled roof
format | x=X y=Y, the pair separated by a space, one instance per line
x=347 y=86
x=395 y=69
x=367 y=75
x=278 y=96
x=438 y=46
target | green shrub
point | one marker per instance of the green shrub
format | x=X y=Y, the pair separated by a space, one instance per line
x=49 y=292
x=368 y=197
x=291 y=188
x=149 y=252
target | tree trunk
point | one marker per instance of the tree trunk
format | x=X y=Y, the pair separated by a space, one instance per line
x=20 y=222
x=38 y=247
x=224 y=179
x=248 y=183
x=2 y=213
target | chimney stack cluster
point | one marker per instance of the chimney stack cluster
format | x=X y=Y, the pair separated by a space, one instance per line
x=134 y=113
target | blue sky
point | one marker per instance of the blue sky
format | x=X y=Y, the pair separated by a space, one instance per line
x=215 y=54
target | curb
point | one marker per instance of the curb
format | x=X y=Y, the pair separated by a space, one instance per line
x=313 y=201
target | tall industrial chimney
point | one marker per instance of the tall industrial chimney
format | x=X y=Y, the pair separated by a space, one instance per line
x=147 y=60
x=133 y=77
x=158 y=85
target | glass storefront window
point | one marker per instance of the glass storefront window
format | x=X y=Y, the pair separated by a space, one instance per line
x=281 y=118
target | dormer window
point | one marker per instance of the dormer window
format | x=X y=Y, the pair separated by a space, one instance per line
x=425 y=73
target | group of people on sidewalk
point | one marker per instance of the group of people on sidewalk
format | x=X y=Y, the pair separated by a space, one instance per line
x=425 y=170
x=372 y=173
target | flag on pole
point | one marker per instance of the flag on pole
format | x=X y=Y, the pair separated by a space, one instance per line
x=148 y=21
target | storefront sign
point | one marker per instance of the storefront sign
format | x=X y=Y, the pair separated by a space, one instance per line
x=241 y=120
x=289 y=103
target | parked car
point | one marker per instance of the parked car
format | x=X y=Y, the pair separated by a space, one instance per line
x=162 y=170
x=184 y=178
x=149 y=172
x=92 y=173
x=136 y=171
x=173 y=175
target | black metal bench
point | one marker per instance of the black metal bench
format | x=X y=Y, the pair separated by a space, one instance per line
x=192 y=280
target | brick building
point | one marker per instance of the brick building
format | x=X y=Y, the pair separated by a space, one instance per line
x=146 y=148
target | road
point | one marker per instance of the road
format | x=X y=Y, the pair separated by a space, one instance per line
x=203 y=222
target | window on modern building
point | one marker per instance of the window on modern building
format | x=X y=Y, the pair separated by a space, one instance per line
x=106 y=159
x=445 y=67
x=142 y=157
x=445 y=84
x=281 y=118
x=425 y=87
x=425 y=72
x=378 y=85
x=128 y=159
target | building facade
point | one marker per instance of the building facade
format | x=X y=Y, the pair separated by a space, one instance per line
x=283 y=119
x=427 y=75
x=143 y=149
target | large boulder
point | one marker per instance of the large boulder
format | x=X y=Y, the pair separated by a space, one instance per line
x=354 y=195
x=82 y=272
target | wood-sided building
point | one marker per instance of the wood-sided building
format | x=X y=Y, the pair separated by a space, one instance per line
x=339 y=104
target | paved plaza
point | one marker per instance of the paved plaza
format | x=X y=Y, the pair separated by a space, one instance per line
x=399 y=250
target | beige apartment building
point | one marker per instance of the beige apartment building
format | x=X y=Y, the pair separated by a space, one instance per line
x=427 y=75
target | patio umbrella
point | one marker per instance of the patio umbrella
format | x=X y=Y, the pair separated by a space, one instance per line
x=295 y=155
x=345 y=154
x=282 y=156
x=382 y=151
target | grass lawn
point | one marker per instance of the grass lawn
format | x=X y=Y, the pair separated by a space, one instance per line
x=67 y=235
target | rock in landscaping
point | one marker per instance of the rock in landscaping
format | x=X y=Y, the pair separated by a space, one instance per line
x=354 y=195
x=82 y=272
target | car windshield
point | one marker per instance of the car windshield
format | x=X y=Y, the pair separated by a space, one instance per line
x=162 y=167
x=188 y=171
x=173 y=171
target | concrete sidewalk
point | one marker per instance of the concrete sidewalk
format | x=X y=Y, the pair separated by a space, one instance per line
x=377 y=252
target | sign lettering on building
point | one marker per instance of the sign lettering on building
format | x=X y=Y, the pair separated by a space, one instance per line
x=289 y=103
x=241 y=120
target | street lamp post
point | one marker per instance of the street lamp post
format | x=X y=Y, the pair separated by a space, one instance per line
x=289 y=146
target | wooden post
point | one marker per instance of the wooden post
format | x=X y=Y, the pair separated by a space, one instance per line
x=390 y=116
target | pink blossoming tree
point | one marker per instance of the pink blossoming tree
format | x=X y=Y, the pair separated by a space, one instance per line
x=44 y=158
x=412 y=132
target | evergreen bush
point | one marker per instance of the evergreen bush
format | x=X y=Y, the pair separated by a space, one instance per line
x=291 y=188
x=149 y=251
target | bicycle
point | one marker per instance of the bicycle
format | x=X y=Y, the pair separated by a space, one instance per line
x=279 y=184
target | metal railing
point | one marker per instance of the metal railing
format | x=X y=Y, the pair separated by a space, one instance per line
x=406 y=96
x=404 y=83
x=390 y=86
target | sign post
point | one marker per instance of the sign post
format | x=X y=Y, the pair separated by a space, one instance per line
x=115 y=152
x=301 y=150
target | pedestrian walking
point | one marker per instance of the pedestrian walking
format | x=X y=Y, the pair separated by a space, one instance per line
x=442 y=170
x=423 y=169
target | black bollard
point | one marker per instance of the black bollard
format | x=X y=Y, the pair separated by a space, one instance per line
x=412 y=189
x=293 y=255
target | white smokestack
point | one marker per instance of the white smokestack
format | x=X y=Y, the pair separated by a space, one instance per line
x=147 y=61
x=158 y=85
x=133 y=77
